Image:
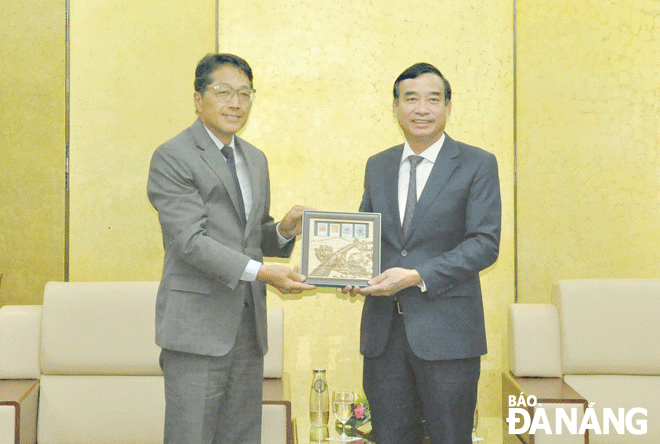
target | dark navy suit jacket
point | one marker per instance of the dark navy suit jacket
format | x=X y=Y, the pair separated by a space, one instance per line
x=454 y=234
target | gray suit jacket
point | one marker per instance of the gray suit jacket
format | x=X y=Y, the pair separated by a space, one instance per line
x=201 y=297
x=454 y=234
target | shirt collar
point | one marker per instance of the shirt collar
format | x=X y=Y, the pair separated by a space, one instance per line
x=219 y=143
x=430 y=153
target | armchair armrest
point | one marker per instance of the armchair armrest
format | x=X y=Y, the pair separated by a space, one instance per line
x=551 y=393
x=534 y=344
x=277 y=392
x=18 y=410
x=20 y=341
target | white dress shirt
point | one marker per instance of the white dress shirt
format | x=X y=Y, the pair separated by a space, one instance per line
x=423 y=172
x=243 y=173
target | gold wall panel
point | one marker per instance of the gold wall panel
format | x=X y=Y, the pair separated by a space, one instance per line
x=588 y=142
x=132 y=70
x=32 y=116
x=324 y=73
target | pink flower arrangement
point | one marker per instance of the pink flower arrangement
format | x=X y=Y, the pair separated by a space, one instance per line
x=361 y=412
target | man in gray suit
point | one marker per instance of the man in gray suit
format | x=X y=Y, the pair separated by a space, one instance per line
x=422 y=330
x=212 y=193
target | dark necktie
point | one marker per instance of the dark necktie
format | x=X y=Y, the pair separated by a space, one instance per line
x=411 y=199
x=228 y=152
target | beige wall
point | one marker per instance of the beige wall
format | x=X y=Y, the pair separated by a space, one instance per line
x=588 y=142
x=32 y=147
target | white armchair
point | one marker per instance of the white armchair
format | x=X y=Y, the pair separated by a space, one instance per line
x=83 y=368
x=597 y=344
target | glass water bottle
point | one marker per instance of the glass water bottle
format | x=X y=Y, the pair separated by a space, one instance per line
x=319 y=401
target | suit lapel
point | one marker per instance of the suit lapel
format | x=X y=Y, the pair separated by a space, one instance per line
x=444 y=166
x=390 y=186
x=213 y=157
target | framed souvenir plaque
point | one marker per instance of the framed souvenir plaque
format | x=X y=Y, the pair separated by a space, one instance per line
x=340 y=249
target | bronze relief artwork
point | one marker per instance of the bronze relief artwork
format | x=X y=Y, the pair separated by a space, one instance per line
x=340 y=248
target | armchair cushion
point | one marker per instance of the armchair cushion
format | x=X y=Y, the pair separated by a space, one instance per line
x=622 y=392
x=86 y=409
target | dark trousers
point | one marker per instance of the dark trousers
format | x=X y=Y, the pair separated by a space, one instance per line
x=215 y=399
x=409 y=396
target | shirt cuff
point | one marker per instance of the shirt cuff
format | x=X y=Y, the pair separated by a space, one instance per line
x=251 y=271
x=281 y=239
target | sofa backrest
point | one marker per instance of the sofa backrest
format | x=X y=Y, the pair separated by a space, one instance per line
x=107 y=328
x=609 y=326
x=273 y=360
x=99 y=328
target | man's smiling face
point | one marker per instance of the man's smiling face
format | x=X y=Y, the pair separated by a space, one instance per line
x=224 y=119
x=421 y=110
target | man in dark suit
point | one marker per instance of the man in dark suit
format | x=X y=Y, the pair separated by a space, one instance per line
x=422 y=330
x=212 y=193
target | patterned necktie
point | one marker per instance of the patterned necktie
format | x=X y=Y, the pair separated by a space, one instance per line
x=411 y=199
x=228 y=152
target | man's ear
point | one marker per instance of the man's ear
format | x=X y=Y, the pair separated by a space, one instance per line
x=197 y=98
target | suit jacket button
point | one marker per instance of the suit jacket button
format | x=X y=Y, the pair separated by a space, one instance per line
x=404 y=253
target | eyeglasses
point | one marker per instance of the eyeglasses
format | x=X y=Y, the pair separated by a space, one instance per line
x=225 y=93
